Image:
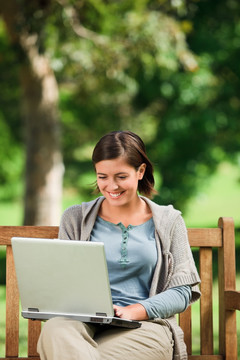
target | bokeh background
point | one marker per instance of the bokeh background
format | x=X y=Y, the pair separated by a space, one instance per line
x=72 y=70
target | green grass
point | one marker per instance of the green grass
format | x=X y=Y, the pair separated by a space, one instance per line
x=11 y=213
x=218 y=197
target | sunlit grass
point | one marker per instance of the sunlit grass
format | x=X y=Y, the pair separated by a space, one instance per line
x=218 y=197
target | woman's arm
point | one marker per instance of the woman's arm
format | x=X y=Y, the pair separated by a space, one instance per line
x=163 y=305
x=131 y=312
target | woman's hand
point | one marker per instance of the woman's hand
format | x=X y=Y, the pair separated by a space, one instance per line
x=131 y=312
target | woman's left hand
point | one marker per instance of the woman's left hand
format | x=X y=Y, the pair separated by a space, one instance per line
x=131 y=312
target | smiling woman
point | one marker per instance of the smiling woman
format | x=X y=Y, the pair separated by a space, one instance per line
x=127 y=146
x=118 y=183
x=151 y=268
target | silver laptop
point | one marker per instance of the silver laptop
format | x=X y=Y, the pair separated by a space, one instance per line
x=64 y=278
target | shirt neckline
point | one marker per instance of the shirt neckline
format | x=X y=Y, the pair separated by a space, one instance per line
x=129 y=227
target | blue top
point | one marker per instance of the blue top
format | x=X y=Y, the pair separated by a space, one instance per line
x=131 y=255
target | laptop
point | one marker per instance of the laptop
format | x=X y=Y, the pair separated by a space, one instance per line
x=64 y=278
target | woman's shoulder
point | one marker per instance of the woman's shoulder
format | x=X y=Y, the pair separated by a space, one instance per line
x=72 y=212
x=161 y=209
x=80 y=209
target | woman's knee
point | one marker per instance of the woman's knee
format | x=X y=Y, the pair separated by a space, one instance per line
x=52 y=327
x=62 y=336
x=65 y=329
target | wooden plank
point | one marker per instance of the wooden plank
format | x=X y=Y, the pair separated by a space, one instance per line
x=206 y=357
x=206 y=312
x=231 y=335
x=34 y=329
x=232 y=300
x=207 y=237
x=185 y=322
x=21 y=358
x=12 y=307
x=7 y=232
x=227 y=282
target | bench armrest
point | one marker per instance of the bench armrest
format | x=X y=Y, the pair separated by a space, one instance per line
x=232 y=300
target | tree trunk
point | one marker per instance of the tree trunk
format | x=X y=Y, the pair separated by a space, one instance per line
x=44 y=166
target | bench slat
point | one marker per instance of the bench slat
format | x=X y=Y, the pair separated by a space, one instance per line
x=232 y=300
x=20 y=358
x=206 y=357
x=34 y=329
x=12 y=306
x=227 y=281
x=7 y=232
x=207 y=237
x=206 y=314
x=185 y=322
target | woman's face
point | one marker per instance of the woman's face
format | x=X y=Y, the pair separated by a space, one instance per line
x=118 y=181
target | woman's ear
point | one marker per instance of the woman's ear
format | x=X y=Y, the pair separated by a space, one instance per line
x=141 y=171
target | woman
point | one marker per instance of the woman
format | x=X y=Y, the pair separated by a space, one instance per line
x=151 y=269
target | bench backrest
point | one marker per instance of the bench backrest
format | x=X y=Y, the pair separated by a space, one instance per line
x=204 y=240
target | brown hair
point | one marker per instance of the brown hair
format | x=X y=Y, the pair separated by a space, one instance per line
x=130 y=146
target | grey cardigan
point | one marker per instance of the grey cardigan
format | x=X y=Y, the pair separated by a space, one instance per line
x=175 y=265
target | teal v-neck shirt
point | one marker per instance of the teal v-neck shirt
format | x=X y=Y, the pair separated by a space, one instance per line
x=131 y=258
x=131 y=255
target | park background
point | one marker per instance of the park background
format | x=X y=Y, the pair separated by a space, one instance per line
x=72 y=70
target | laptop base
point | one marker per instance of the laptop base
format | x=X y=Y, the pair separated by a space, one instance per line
x=101 y=320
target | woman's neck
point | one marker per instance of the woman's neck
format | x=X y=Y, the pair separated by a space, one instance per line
x=134 y=213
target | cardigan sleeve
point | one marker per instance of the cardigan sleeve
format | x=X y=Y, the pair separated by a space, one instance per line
x=184 y=271
x=70 y=225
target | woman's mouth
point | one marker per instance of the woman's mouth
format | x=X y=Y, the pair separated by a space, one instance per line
x=115 y=195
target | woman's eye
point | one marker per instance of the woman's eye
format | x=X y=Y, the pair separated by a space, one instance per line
x=101 y=177
x=122 y=177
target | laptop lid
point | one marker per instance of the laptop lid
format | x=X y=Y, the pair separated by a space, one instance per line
x=64 y=278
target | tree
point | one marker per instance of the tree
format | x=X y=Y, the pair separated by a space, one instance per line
x=157 y=68
x=166 y=76
x=44 y=168
x=123 y=76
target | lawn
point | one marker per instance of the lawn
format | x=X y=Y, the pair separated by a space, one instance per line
x=220 y=196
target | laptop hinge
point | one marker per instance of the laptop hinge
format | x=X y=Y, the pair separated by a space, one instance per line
x=100 y=314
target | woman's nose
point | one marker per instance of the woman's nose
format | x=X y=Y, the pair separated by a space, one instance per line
x=113 y=185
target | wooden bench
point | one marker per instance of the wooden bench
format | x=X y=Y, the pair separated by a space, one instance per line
x=204 y=240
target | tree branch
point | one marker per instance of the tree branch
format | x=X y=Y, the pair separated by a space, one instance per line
x=78 y=28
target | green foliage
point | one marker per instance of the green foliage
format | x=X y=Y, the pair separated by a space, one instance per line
x=151 y=83
x=219 y=41
x=11 y=147
x=11 y=159
x=121 y=79
x=166 y=70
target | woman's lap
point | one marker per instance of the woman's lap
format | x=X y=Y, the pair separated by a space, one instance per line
x=63 y=338
x=149 y=342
